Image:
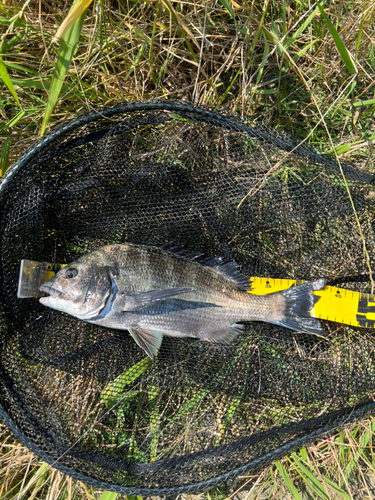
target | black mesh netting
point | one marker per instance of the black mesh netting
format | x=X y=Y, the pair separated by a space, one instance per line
x=87 y=399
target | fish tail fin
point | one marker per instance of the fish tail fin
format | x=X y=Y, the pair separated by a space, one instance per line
x=299 y=301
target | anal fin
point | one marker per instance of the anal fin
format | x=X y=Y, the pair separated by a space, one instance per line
x=148 y=340
x=225 y=336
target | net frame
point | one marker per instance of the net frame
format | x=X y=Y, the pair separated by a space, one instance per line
x=314 y=427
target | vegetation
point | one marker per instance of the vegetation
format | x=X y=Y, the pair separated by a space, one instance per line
x=302 y=67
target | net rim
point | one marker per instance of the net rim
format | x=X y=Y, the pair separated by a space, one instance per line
x=227 y=118
x=355 y=413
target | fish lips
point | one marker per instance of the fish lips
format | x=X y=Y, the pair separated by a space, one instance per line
x=52 y=296
x=49 y=290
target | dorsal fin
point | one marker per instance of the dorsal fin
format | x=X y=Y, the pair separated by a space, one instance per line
x=183 y=252
x=227 y=269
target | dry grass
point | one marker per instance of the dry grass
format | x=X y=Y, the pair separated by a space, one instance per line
x=254 y=62
x=337 y=467
x=23 y=475
x=251 y=57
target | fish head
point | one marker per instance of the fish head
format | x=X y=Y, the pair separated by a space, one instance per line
x=83 y=289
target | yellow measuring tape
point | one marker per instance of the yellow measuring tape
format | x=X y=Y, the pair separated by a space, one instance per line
x=336 y=304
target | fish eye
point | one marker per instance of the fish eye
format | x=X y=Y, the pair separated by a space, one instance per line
x=71 y=273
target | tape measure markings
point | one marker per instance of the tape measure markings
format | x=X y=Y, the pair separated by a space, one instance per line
x=336 y=304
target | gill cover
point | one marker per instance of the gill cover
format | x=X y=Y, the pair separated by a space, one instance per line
x=98 y=299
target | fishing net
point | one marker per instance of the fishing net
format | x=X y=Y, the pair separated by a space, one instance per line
x=86 y=399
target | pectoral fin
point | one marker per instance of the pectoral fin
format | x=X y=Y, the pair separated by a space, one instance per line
x=139 y=300
x=149 y=340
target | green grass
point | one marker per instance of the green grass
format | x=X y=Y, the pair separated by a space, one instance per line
x=309 y=71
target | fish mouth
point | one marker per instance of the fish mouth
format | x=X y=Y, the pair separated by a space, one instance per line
x=49 y=290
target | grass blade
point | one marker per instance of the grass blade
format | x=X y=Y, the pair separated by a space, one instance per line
x=302 y=28
x=266 y=51
x=117 y=387
x=108 y=495
x=339 y=43
x=359 y=104
x=33 y=84
x=7 y=46
x=337 y=488
x=137 y=58
x=4 y=158
x=359 y=36
x=229 y=87
x=7 y=81
x=162 y=70
x=7 y=22
x=305 y=473
x=42 y=474
x=153 y=399
x=18 y=67
x=12 y=122
x=77 y=11
x=227 y=7
x=304 y=50
x=287 y=480
x=276 y=38
x=189 y=408
x=64 y=58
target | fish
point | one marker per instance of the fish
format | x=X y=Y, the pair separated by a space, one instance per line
x=155 y=291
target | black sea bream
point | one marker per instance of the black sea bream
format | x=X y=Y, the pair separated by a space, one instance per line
x=152 y=292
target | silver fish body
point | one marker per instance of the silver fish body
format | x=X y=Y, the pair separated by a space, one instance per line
x=152 y=292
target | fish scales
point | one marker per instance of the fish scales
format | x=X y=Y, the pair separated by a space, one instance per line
x=160 y=269
x=152 y=292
